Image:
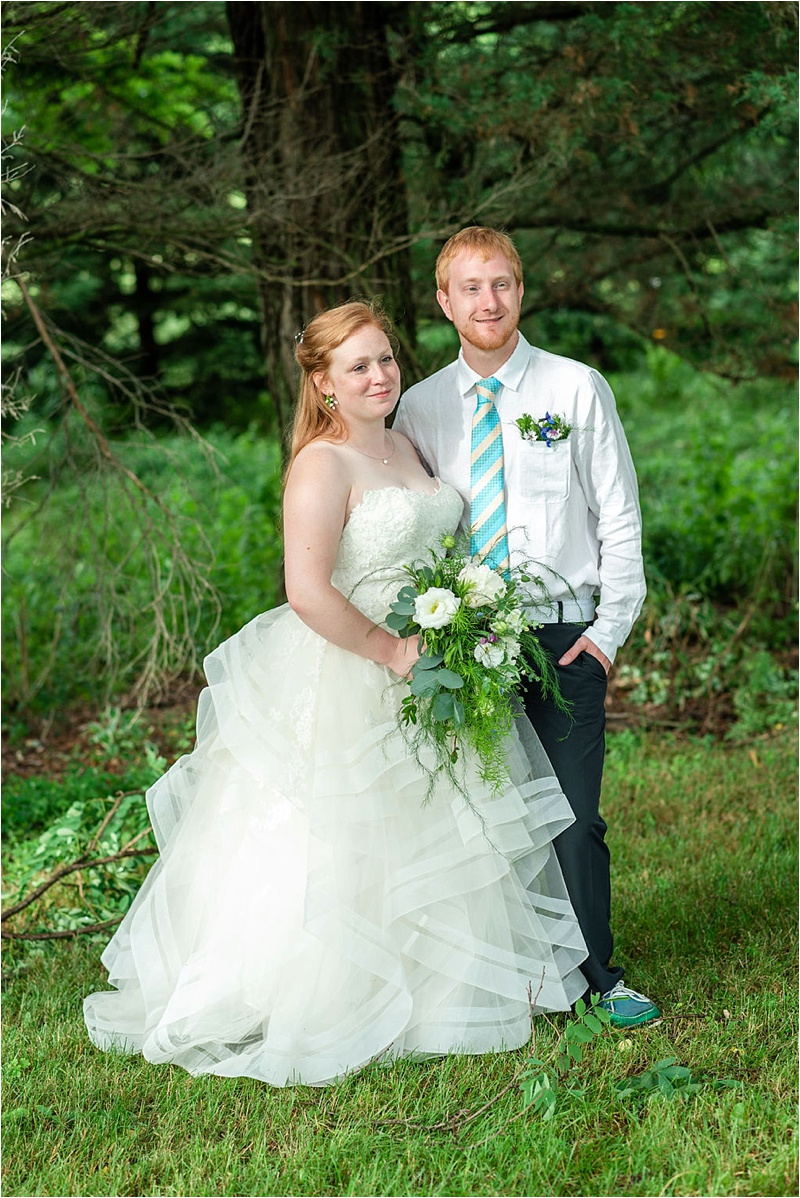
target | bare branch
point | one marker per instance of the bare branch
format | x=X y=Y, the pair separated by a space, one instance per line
x=64 y=871
x=67 y=934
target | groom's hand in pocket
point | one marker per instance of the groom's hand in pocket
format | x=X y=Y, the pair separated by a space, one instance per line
x=584 y=645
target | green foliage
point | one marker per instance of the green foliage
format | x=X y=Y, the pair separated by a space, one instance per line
x=226 y=509
x=764 y=696
x=642 y=155
x=668 y=1079
x=31 y=803
x=540 y=1082
x=612 y=146
x=88 y=831
x=123 y=758
x=717 y=468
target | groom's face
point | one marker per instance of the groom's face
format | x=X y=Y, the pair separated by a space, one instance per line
x=482 y=300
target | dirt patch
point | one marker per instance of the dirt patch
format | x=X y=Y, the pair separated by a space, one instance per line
x=65 y=739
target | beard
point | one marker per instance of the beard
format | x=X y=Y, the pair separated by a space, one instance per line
x=490 y=339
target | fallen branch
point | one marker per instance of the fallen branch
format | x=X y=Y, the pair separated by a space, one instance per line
x=68 y=934
x=71 y=868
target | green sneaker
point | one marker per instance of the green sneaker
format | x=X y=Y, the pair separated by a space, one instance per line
x=627 y=1007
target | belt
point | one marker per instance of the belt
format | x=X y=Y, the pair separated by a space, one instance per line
x=563 y=611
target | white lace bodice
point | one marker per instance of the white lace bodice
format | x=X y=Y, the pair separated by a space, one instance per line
x=389 y=529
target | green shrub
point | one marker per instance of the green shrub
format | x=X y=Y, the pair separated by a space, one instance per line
x=86 y=591
x=717 y=467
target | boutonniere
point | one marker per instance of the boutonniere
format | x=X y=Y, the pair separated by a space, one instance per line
x=547 y=428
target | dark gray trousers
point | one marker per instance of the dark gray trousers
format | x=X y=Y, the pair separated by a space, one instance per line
x=576 y=748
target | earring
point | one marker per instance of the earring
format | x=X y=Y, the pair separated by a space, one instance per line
x=332 y=402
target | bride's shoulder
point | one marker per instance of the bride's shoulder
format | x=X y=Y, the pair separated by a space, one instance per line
x=320 y=465
x=320 y=455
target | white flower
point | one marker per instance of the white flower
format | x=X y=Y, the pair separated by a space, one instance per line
x=489 y=653
x=516 y=620
x=512 y=648
x=485 y=585
x=436 y=607
x=511 y=624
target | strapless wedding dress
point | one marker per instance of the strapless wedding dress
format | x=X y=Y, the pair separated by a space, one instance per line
x=308 y=913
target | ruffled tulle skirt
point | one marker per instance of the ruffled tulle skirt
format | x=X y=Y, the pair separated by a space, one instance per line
x=309 y=913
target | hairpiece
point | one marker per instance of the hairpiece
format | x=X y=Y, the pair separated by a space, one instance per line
x=298 y=337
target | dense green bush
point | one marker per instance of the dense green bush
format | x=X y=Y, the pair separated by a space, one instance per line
x=717 y=466
x=79 y=600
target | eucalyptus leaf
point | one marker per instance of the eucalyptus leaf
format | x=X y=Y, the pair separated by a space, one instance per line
x=428 y=661
x=403 y=607
x=424 y=684
x=450 y=679
x=396 y=621
x=443 y=706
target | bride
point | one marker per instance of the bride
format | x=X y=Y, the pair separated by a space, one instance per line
x=309 y=914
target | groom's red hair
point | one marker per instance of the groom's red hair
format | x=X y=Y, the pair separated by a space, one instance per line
x=480 y=240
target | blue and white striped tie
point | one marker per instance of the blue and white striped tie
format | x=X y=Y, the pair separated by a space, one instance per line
x=489 y=531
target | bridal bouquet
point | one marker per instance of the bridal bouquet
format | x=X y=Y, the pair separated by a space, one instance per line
x=478 y=649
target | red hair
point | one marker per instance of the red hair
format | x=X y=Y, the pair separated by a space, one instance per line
x=477 y=239
x=325 y=333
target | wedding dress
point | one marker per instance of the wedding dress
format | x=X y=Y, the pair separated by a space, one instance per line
x=309 y=913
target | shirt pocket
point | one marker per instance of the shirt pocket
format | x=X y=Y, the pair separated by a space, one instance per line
x=545 y=470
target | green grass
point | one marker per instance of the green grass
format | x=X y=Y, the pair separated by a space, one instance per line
x=703 y=839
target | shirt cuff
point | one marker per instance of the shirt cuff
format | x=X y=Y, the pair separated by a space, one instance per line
x=606 y=637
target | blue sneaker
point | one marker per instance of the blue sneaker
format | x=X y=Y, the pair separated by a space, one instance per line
x=627 y=1007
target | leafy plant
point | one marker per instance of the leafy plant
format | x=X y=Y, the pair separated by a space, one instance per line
x=669 y=1080
x=541 y=1081
x=95 y=867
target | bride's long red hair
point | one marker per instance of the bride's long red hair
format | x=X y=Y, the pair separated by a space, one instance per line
x=313 y=419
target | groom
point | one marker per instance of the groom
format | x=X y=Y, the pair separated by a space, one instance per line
x=569 y=501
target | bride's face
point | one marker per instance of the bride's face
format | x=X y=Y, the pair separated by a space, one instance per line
x=363 y=376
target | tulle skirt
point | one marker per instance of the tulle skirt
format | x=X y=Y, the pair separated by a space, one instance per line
x=309 y=913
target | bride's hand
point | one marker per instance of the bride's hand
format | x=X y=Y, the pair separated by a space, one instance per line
x=404 y=656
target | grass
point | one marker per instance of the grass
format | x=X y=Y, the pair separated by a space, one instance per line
x=703 y=839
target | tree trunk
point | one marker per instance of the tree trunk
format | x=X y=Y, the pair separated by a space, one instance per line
x=325 y=191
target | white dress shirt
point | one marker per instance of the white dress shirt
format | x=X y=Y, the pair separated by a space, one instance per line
x=572 y=506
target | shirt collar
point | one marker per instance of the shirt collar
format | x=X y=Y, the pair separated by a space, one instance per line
x=510 y=373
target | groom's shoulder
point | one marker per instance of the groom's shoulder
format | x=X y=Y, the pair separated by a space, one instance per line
x=435 y=385
x=561 y=367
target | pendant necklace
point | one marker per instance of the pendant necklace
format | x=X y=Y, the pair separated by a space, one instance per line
x=384 y=461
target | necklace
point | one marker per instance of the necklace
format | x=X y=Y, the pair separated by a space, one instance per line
x=389 y=455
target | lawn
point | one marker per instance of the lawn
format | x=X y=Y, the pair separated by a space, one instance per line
x=703 y=838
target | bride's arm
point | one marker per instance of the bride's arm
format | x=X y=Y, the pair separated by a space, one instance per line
x=314 y=510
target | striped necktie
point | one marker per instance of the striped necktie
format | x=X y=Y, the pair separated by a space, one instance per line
x=489 y=532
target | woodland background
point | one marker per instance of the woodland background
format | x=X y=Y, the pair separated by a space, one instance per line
x=185 y=184
x=188 y=184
